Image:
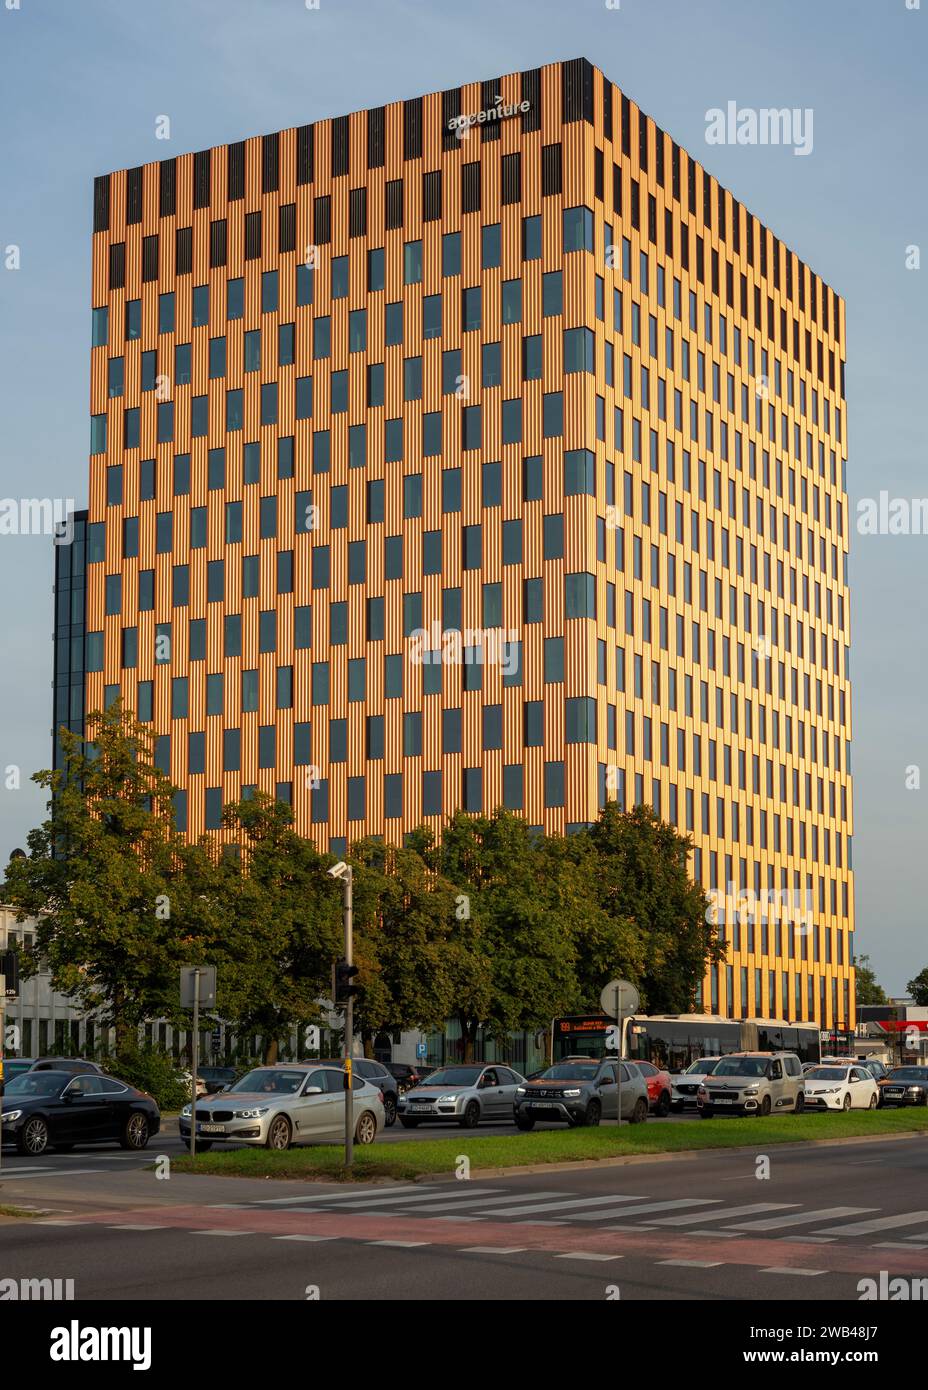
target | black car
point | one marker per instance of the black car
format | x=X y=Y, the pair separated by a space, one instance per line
x=73 y=1065
x=377 y=1074
x=58 y=1109
x=904 y=1086
x=405 y=1075
x=217 y=1078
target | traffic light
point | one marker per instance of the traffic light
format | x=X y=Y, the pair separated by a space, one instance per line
x=344 y=974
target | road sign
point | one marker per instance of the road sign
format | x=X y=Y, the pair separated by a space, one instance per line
x=207 y=991
x=421 y=1049
x=620 y=999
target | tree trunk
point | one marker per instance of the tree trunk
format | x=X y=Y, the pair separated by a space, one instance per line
x=271 y=1049
x=468 y=1037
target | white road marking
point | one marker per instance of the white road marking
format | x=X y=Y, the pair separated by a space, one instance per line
x=134 y=1227
x=477 y=1195
x=586 y=1255
x=522 y=1210
x=325 y=1197
x=722 y=1215
x=312 y=1238
x=776 y=1269
x=400 y=1244
x=493 y=1249
x=650 y=1206
x=693 y=1264
x=882 y=1223
x=802 y=1218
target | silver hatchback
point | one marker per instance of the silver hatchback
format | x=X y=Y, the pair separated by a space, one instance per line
x=288 y=1103
x=465 y=1095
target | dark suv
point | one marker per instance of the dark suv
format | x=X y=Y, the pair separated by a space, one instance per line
x=377 y=1074
x=581 y=1091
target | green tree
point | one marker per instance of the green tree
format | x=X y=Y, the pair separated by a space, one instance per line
x=104 y=879
x=269 y=921
x=918 y=988
x=866 y=988
x=402 y=916
x=511 y=955
x=639 y=877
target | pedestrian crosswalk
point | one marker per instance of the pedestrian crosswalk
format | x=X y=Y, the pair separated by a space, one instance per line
x=694 y=1215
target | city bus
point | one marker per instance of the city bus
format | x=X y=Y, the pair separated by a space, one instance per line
x=675 y=1040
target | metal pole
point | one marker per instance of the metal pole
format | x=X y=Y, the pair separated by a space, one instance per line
x=618 y=1067
x=349 y=1029
x=2 y=1049
x=194 y=1059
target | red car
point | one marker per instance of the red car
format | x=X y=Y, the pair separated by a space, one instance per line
x=659 y=1087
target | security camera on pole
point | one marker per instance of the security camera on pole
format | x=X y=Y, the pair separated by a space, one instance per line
x=345 y=991
x=620 y=1000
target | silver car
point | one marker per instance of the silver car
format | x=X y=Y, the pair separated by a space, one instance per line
x=288 y=1103
x=464 y=1095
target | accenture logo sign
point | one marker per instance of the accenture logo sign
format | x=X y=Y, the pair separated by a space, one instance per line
x=500 y=112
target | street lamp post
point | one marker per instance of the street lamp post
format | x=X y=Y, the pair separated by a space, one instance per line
x=342 y=871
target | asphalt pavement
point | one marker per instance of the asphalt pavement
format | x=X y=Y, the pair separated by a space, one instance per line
x=800 y=1223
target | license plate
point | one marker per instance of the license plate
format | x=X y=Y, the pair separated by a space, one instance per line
x=419 y=1108
x=212 y=1129
x=544 y=1105
x=893 y=1092
x=720 y=1101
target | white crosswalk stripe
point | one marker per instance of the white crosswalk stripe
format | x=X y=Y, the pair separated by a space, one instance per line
x=883 y=1223
x=723 y=1215
x=522 y=1209
x=802 y=1218
x=471 y=1200
x=425 y=1198
x=673 y=1204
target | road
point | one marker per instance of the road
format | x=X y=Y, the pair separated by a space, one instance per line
x=813 y=1224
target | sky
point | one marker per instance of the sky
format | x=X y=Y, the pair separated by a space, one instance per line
x=83 y=83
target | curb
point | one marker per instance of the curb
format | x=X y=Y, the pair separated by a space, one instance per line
x=681 y=1155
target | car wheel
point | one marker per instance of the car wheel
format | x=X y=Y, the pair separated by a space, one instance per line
x=593 y=1113
x=471 y=1117
x=706 y=1112
x=873 y=1103
x=389 y=1110
x=800 y=1102
x=32 y=1139
x=524 y=1122
x=764 y=1107
x=846 y=1103
x=663 y=1104
x=278 y=1135
x=366 y=1129
x=135 y=1132
x=640 y=1112
x=407 y=1123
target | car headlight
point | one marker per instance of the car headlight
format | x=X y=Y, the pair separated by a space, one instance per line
x=187 y=1111
x=10 y=1115
x=444 y=1100
x=520 y=1090
x=574 y=1091
x=751 y=1090
x=251 y=1114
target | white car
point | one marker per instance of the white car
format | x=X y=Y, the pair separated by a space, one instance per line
x=685 y=1084
x=839 y=1086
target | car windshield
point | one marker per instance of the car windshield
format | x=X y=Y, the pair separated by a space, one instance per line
x=36 y=1083
x=704 y=1067
x=826 y=1074
x=571 y=1071
x=741 y=1066
x=909 y=1074
x=454 y=1076
x=281 y=1083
